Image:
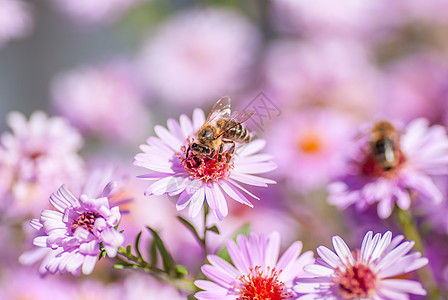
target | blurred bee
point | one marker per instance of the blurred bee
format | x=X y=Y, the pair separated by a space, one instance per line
x=384 y=145
x=221 y=128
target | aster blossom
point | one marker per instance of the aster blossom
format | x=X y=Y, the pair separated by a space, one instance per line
x=75 y=230
x=368 y=273
x=421 y=154
x=198 y=178
x=256 y=273
x=37 y=157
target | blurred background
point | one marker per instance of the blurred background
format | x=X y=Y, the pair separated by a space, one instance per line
x=315 y=71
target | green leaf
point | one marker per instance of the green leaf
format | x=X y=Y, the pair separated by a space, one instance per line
x=128 y=249
x=167 y=259
x=181 y=270
x=153 y=253
x=190 y=227
x=214 y=229
x=137 y=244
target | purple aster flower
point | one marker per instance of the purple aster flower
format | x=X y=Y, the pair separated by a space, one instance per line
x=15 y=20
x=75 y=231
x=36 y=158
x=114 y=87
x=191 y=52
x=197 y=178
x=419 y=154
x=256 y=273
x=94 y=12
x=368 y=273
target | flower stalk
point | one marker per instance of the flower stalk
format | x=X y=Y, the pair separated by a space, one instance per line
x=410 y=230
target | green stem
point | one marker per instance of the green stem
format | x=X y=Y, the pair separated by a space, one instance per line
x=181 y=284
x=204 y=237
x=411 y=232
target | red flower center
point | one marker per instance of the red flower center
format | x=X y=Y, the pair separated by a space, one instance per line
x=260 y=286
x=355 y=282
x=207 y=168
x=370 y=167
x=85 y=220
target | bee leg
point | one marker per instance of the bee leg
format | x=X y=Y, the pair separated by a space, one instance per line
x=231 y=151
x=211 y=155
x=188 y=151
x=220 y=151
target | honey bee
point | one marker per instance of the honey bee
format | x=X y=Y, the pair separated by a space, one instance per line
x=384 y=145
x=221 y=127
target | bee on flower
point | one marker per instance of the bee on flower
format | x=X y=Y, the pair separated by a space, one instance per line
x=391 y=166
x=205 y=160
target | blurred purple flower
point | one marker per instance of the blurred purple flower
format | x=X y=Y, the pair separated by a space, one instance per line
x=353 y=19
x=322 y=72
x=257 y=272
x=424 y=153
x=96 y=12
x=20 y=283
x=35 y=159
x=368 y=273
x=141 y=286
x=309 y=146
x=91 y=96
x=206 y=179
x=74 y=232
x=416 y=86
x=15 y=20
x=200 y=54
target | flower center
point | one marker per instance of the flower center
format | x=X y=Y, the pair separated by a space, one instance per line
x=373 y=167
x=207 y=168
x=85 y=220
x=357 y=281
x=259 y=286
x=310 y=143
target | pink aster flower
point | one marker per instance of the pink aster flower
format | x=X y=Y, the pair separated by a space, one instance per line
x=368 y=273
x=114 y=88
x=313 y=152
x=197 y=178
x=200 y=54
x=15 y=20
x=330 y=72
x=420 y=154
x=256 y=273
x=354 y=19
x=94 y=12
x=75 y=231
x=35 y=159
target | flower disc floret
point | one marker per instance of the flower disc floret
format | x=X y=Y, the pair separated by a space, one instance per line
x=262 y=285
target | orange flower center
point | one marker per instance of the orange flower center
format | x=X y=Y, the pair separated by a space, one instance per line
x=310 y=143
x=258 y=285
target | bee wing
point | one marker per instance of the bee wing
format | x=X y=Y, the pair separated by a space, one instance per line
x=236 y=118
x=221 y=109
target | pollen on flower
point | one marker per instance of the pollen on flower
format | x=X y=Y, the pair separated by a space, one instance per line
x=258 y=285
x=85 y=220
x=355 y=282
x=206 y=168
